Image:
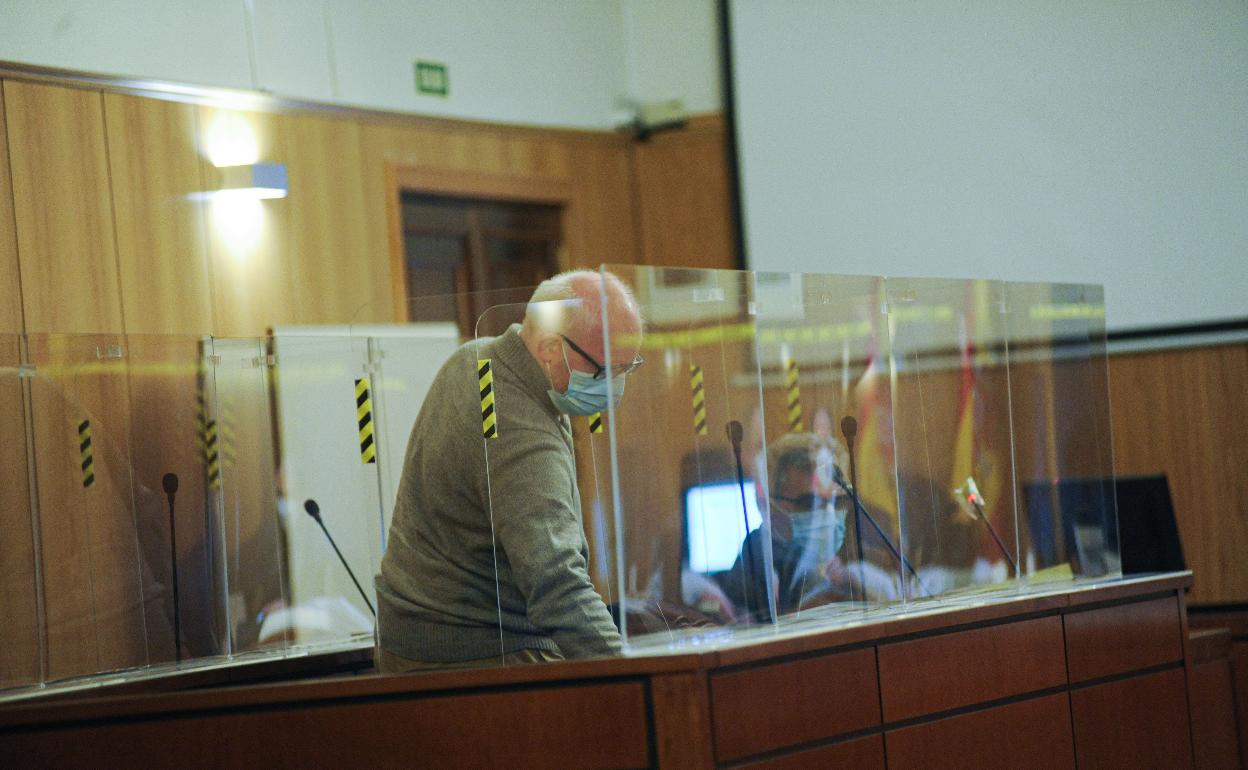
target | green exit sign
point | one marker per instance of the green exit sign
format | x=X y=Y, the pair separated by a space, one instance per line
x=431 y=78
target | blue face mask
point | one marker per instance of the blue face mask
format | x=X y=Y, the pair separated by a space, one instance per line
x=586 y=395
x=822 y=531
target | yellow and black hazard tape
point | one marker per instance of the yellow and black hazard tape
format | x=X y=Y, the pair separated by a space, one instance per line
x=364 y=418
x=699 y=399
x=793 y=398
x=84 y=450
x=489 y=417
x=212 y=454
x=595 y=422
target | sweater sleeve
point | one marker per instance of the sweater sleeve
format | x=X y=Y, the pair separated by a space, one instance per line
x=531 y=481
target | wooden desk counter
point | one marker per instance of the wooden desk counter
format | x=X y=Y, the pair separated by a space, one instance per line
x=890 y=692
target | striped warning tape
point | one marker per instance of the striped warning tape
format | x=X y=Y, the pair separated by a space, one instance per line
x=212 y=454
x=84 y=451
x=489 y=418
x=793 y=398
x=595 y=422
x=364 y=418
x=699 y=399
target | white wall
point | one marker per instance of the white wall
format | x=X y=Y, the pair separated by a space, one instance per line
x=543 y=62
x=672 y=52
x=1099 y=142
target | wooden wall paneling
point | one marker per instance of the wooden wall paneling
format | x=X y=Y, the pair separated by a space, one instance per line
x=19 y=634
x=683 y=196
x=1093 y=638
x=337 y=273
x=95 y=581
x=1029 y=734
x=162 y=249
x=1182 y=413
x=252 y=271
x=1136 y=722
x=604 y=203
x=65 y=236
x=778 y=698
x=936 y=673
x=10 y=278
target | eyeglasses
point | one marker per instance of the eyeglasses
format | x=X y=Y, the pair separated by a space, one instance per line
x=600 y=371
x=808 y=502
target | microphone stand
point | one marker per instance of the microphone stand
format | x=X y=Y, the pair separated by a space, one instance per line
x=979 y=509
x=314 y=511
x=849 y=428
x=170 y=483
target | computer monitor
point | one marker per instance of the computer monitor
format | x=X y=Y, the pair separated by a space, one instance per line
x=1101 y=517
x=714 y=525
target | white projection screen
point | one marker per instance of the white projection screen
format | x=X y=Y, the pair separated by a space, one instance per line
x=1097 y=142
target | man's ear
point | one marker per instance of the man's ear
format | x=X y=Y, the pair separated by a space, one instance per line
x=548 y=348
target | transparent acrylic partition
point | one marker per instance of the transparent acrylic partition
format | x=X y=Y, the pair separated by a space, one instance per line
x=951 y=424
x=824 y=352
x=1068 y=519
x=402 y=361
x=170 y=390
x=21 y=603
x=693 y=538
x=96 y=582
x=544 y=494
x=328 y=463
x=253 y=554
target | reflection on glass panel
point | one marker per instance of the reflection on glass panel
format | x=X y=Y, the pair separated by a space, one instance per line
x=21 y=651
x=952 y=432
x=255 y=567
x=96 y=578
x=1067 y=510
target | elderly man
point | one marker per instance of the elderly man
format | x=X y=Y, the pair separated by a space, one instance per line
x=487 y=559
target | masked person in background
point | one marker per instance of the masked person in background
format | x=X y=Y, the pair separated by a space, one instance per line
x=807 y=532
x=487 y=561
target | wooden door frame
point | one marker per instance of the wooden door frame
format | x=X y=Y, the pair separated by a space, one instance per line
x=404 y=178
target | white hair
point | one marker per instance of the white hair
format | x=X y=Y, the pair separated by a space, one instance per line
x=572 y=302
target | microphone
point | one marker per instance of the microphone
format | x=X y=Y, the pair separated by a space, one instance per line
x=314 y=511
x=849 y=429
x=735 y=434
x=970 y=492
x=170 y=484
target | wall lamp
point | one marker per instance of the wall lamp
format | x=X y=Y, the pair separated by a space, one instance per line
x=257 y=181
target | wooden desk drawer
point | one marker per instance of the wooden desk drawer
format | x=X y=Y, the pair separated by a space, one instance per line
x=1136 y=722
x=1028 y=734
x=783 y=704
x=937 y=673
x=1122 y=638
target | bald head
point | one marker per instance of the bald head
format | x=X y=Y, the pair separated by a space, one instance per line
x=571 y=304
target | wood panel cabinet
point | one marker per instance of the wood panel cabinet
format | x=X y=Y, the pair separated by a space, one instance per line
x=1136 y=722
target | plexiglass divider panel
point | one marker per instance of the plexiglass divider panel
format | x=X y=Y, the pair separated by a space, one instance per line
x=1064 y=460
x=169 y=378
x=951 y=424
x=693 y=540
x=21 y=638
x=255 y=567
x=328 y=464
x=97 y=581
x=824 y=352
